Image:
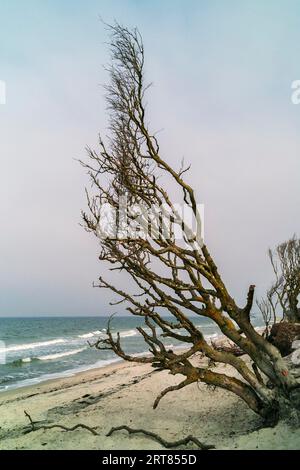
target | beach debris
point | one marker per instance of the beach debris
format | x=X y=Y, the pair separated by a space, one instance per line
x=36 y=426
x=162 y=441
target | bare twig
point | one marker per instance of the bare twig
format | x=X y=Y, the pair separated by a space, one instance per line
x=163 y=442
x=35 y=426
x=285 y=291
x=32 y=423
x=170 y=389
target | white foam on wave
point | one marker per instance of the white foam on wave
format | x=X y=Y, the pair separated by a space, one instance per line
x=203 y=327
x=57 y=375
x=123 y=334
x=23 y=347
x=90 y=334
x=50 y=357
x=128 y=334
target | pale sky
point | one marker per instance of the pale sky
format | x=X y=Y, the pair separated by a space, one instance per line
x=221 y=96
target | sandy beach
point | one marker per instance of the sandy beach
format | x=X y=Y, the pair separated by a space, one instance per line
x=123 y=394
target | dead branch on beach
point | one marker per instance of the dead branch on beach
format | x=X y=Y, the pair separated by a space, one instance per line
x=36 y=426
x=163 y=442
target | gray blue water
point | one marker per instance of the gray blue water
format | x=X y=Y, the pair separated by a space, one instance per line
x=36 y=349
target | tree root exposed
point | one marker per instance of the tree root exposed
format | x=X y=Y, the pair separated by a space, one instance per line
x=163 y=442
x=35 y=426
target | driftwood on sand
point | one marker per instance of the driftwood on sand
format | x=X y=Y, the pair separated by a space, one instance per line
x=36 y=426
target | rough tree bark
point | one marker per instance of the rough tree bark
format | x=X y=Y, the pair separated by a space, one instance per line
x=175 y=276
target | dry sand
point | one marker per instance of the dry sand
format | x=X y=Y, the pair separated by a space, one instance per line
x=124 y=394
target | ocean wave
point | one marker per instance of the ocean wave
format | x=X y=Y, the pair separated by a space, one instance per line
x=21 y=362
x=51 y=357
x=91 y=334
x=123 y=334
x=23 y=347
x=6 y=379
x=128 y=334
x=212 y=336
x=48 y=357
x=203 y=327
x=55 y=375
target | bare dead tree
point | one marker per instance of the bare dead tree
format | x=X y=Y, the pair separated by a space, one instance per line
x=167 y=444
x=35 y=426
x=178 y=277
x=285 y=291
x=268 y=312
x=282 y=298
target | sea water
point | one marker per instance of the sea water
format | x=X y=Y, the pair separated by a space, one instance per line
x=33 y=350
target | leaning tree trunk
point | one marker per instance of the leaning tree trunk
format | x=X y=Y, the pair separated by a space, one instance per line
x=176 y=277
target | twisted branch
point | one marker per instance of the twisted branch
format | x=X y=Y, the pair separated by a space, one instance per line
x=163 y=442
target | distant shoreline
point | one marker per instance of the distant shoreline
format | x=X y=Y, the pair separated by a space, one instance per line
x=53 y=377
